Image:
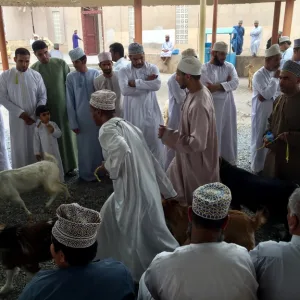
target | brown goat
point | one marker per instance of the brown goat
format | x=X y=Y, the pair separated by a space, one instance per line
x=240 y=230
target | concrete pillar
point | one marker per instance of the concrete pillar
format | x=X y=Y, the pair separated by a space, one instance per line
x=276 y=19
x=288 y=17
x=138 y=26
x=202 y=27
x=215 y=22
x=3 y=43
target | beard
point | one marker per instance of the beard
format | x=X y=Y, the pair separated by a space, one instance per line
x=217 y=62
x=107 y=72
x=183 y=86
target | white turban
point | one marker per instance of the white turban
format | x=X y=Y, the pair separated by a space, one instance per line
x=211 y=201
x=273 y=50
x=104 y=100
x=220 y=47
x=284 y=39
x=190 y=65
x=188 y=52
x=135 y=48
x=104 y=56
x=292 y=67
x=76 y=226
x=297 y=43
x=76 y=54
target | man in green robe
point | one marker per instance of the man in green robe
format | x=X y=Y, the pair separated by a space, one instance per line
x=54 y=72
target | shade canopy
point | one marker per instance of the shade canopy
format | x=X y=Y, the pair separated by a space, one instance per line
x=98 y=3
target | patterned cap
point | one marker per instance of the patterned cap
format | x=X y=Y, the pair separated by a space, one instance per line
x=292 y=67
x=104 y=56
x=211 y=201
x=284 y=39
x=220 y=47
x=273 y=50
x=188 y=52
x=297 y=43
x=76 y=226
x=135 y=48
x=104 y=99
x=190 y=65
x=76 y=54
x=56 y=45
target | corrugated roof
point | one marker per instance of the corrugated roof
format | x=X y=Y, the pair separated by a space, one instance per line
x=98 y=3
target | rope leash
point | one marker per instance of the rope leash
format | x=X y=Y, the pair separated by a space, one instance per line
x=287 y=151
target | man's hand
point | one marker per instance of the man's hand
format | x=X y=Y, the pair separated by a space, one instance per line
x=76 y=130
x=131 y=83
x=38 y=157
x=229 y=78
x=151 y=77
x=50 y=128
x=213 y=87
x=161 y=131
x=261 y=98
x=277 y=74
x=25 y=117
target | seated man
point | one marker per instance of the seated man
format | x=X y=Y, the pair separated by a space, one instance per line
x=278 y=264
x=208 y=268
x=134 y=229
x=73 y=249
x=167 y=49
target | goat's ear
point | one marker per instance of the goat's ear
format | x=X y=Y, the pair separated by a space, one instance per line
x=2 y=226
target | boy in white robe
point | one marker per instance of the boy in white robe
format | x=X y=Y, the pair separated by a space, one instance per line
x=133 y=228
x=208 y=268
x=139 y=82
x=45 y=138
x=255 y=34
x=22 y=90
x=265 y=90
x=221 y=79
x=286 y=49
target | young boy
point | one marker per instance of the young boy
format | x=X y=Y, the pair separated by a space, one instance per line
x=45 y=137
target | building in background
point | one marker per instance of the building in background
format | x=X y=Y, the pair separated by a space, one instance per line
x=116 y=24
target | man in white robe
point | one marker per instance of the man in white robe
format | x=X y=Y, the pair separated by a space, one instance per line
x=208 y=268
x=139 y=82
x=4 y=161
x=22 y=90
x=80 y=86
x=221 y=79
x=286 y=49
x=117 y=52
x=296 y=56
x=256 y=35
x=265 y=90
x=177 y=96
x=166 y=49
x=108 y=80
x=133 y=228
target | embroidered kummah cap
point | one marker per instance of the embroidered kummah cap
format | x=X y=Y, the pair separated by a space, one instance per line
x=188 y=52
x=104 y=56
x=76 y=54
x=256 y=22
x=284 y=39
x=56 y=45
x=220 y=47
x=273 y=50
x=297 y=43
x=76 y=226
x=104 y=99
x=190 y=65
x=292 y=67
x=211 y=201
x=135 y=48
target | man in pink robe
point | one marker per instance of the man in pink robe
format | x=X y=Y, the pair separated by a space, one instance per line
x=197 y=160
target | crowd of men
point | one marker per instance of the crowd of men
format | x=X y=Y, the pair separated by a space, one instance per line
x=113 y=120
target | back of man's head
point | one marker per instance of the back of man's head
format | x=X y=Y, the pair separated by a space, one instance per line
x=117 y=48
x=39 y=45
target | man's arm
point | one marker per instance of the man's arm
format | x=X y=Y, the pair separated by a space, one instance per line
x=149 y=85
x=41 y=92
x=196 y=141
x=267 y=91
x=126 y=90
x=178 y=93
x=233 y=81
x=71 y=106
